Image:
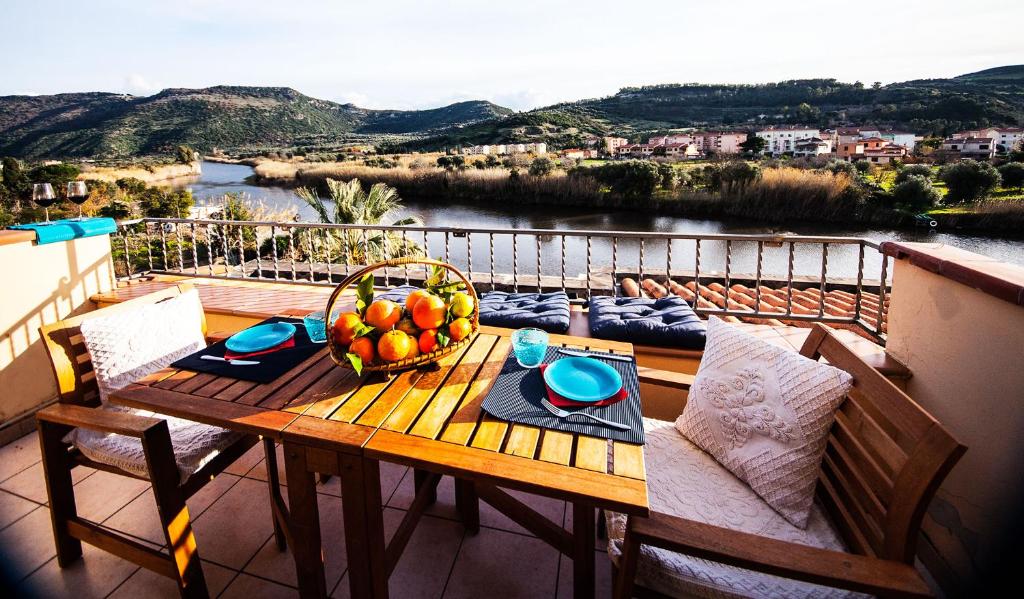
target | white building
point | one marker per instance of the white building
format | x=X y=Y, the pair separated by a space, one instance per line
x=1009 y=138
x=900 y=138
x=782 y=140
x=813 y=146
x=614 y=143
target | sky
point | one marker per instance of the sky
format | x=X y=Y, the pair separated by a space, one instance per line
x=524 y=54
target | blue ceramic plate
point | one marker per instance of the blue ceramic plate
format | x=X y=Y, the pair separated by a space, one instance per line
x=582 y=379
x=260 y=337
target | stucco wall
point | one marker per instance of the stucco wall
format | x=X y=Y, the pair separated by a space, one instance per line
x=965 y=349
x=42 y=284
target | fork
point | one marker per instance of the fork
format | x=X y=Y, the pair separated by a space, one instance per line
x=560 y=413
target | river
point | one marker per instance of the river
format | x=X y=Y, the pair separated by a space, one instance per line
x=218 y=179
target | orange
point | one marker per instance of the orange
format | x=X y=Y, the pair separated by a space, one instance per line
x=415 y=296
x=414 y=348
x=428 y=341
x=383 y=314
x=407 y=326
x=345 y=327
x=363 y=347
x=393 y=346
x=429 y=312
x=460 y=328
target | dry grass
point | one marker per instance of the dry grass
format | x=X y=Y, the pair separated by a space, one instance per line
x=786 y=192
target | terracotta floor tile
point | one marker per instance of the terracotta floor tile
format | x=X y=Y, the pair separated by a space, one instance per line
x=250 y=587
x=95 y=575
x=13 y=507
x=18 y=455
x=234 y=528
x=602 y=580
x=139 y=517
x=259 y=471
x=245 y=463
x=27 y=544
x=104 y=493
x=423 y=568
x=503 y=564
x=151 y=585
x=445 y=506
x=31 y=484
x=390 y=476
x=553 y=509
x=279 y=566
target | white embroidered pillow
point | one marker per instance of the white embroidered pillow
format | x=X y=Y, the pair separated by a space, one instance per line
x=764 y=412
x=126 y=346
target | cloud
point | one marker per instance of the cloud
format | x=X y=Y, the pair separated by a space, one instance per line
x=138 y=85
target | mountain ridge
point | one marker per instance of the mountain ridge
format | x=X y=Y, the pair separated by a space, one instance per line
x=241 y=119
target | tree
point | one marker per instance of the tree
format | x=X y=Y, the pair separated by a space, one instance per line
x=541 y=166
x=913 y=170
x=185 y=155
x=451 y=162
x=753 y=146
x=355 y=206
x=969 y=180
x=915 y=192
x=734 y=173
x=58 y=175
x=1012 y=174
x=669 y=176
x=491 y=161
x=156 y=202
x=630 y=178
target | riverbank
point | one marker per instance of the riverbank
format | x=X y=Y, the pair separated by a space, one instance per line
x=147 y=174
x=780 y=196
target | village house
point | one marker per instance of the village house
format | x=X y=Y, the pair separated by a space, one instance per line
x=1009 y=138
x=885 y=153
x=782 y=140
x=850 y=150
x=680 y=151
x=611 y=144
x=814 y=146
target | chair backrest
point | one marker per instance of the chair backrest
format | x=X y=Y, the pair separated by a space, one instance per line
x=72 y=366
x=886 y=457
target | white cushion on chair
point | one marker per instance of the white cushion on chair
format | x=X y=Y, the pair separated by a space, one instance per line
x=764 y=412
x=684 y=481
x=130 y=344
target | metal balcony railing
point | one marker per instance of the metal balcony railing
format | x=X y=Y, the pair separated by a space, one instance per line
x=787 y=278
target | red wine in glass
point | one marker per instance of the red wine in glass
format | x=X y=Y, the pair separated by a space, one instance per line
x=78 y=193
x=42 y=194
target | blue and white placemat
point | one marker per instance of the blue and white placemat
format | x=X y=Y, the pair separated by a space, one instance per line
x=517 y=392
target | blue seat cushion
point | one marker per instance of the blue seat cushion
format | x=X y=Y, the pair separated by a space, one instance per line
x=665 y=322
x=396 y=294
x=548 y=311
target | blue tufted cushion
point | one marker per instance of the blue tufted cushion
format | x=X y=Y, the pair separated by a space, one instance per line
x=665 y=322
x=397 y=294
x=548 y=311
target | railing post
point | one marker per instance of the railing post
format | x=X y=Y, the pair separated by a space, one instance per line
x=589 y=243
x=860 y=282
x=881 y=295
x=195 y=248
x=181 y=250
x=757 y=283
x=789 y=279
x=149 y=244
x=824 y=274
x=540 y=288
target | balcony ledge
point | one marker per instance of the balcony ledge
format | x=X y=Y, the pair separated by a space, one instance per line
x=998 y=279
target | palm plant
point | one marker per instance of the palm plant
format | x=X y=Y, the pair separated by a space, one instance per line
x=352 y=205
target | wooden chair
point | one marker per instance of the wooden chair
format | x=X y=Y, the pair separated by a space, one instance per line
x=884 y=461
x=77 y=408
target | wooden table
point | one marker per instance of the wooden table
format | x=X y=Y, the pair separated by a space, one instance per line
x=331 y=421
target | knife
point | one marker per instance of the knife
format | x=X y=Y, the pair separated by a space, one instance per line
x=232 y=362
x=580 y=354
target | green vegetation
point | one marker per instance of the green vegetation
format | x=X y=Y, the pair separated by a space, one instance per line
x=237 y=119
x=969 y=180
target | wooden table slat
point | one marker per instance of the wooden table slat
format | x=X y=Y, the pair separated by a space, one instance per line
x=628 y=460
x=401 y=415
x=330 y=400
x=522 y=441
x=295 y=379
x=591 y=453
x=371 y=387
x=556 y=447
x=431 y=422
x=467 y=416
x=174 y=380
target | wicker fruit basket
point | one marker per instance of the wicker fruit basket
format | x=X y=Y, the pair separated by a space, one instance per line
x=438 y=284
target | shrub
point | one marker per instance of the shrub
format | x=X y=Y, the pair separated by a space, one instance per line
x=915 y=192
x=159 y=202
x=969 y=180
x=185 y=155
x=733 y=175
x=1012 y=174
x=669 y=176
x=841 y=167
x=630 y=178
x=913 y=170
x=541 y=166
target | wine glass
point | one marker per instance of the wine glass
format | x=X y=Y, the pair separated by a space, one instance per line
x=78 y=193
x=42 y=194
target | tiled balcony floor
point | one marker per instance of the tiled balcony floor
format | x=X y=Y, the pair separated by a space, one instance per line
x=239 y=556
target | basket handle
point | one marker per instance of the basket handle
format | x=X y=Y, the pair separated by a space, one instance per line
x=393 y=262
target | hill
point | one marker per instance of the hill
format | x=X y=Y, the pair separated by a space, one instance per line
x=994 y=97
x=231 y=118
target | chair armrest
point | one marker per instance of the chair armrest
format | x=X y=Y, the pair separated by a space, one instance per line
x=217 y=336
x=664 y=378
x=790 y=560
x=105 y=421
